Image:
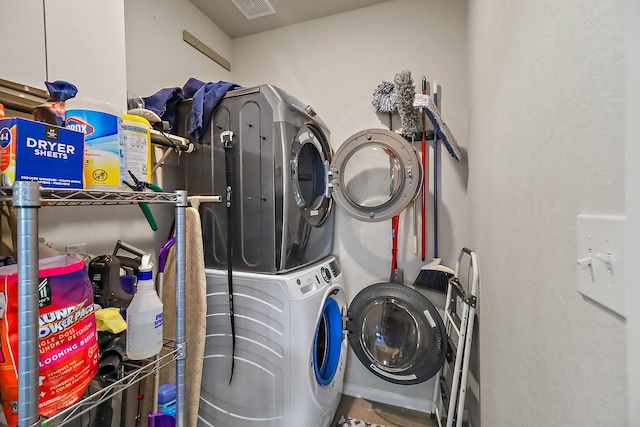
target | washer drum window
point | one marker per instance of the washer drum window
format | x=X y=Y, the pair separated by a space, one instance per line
x=397 y=333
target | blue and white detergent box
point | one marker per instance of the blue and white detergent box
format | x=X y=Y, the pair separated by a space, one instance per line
x=34 y=151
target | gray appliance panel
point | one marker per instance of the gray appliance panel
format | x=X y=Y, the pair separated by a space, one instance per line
x=286 y=107
x=270 y=232
x=255 y=205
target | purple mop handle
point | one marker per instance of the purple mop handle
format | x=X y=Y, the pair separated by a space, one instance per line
x=162 y=256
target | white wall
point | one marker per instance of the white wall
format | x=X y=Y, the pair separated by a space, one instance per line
x=335 y=64
x=157 y=57
x=632 y=159
x=546 y=144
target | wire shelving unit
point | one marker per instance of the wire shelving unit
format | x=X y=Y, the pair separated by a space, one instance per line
x=27 y=197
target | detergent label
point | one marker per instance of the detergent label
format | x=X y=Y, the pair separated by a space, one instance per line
x=34 y=151
x=137 y=148
x=44 y=293
x=103 y=149
x=68 y=347
x=7 y=159
x=157 y=323
x=78 y=125
x=5 y=137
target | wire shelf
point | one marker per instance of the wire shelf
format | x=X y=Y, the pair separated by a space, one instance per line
x=131 y=373
x=59 y=197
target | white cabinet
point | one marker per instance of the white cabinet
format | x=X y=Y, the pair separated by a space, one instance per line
x=86 y=46
x=23 y=42
x=80 y=41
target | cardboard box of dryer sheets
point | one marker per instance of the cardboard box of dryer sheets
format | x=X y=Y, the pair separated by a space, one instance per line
x=34 y=151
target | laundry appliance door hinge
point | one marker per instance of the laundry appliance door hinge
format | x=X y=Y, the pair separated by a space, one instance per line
x=347 y=324
x=331 y=179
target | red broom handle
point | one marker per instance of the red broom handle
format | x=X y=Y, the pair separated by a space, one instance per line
x=395 y=222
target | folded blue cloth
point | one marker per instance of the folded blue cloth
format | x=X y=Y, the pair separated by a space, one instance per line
x=206 y=97
x=165 y=104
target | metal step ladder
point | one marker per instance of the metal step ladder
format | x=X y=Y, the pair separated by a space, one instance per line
x=451 y=381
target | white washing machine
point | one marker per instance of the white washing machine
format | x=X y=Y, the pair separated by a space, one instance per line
x=288 y=368
x=290 y=346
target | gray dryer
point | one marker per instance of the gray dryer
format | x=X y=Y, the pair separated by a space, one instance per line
x=280 y=150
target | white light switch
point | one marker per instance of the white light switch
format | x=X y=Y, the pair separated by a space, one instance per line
x=599 y=260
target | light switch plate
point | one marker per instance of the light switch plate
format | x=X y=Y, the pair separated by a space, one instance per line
x=600 y=266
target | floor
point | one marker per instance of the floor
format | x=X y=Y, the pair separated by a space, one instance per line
x=380 y=413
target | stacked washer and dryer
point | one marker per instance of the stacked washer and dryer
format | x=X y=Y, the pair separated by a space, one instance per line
x=287 y=349
x=282 y=269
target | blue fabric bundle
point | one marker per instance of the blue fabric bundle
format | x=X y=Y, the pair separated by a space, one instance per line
x=165 y=104
x=206 y=97
x=60 y=91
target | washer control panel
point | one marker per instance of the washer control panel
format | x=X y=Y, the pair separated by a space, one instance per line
x=314 y=278
x=326 y=274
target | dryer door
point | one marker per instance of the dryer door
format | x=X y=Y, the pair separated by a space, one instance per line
x=397 y=333
x=310 y=151
x=375 y=175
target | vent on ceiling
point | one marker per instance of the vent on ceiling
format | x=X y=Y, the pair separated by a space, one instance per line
x=254 y=8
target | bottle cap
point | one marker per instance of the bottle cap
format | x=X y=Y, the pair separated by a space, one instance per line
x=146 y=266
x=166 y=393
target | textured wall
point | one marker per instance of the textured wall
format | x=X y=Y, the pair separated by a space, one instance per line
x=546 y=144
x=632 y=176
x=157 y=57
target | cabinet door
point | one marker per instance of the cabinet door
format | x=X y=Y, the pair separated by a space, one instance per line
x=23 y=42
x=86 y=46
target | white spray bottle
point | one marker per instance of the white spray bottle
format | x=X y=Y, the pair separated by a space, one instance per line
x=144 y=316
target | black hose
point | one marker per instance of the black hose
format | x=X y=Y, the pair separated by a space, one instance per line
x=228 y=154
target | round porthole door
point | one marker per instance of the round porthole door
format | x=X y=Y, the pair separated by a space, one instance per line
x=375 y=174
x=397 y=333
x=310 y=152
